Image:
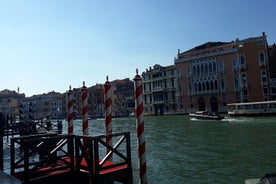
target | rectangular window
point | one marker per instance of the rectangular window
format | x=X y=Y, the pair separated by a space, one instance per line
x=260 y=41
x=221 y=66
x=255 y=106
x=265 y=90
x=261 y=58
x=235 y=66
x=236 y=84
x=245 y=92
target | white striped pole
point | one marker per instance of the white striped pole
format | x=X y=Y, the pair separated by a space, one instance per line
x=70 y=111
x=108 y=112
x=84 y=98
x=139 y=109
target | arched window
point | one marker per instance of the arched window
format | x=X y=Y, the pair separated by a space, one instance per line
x=264 y=77
x=216 y=84
x=198 y=70
x=236 y=83
x=222 y=84
x=207 y=85
x=214 y=67
x=201 y=69
x=206 y=68
x=194 y=69
x=210 y=68
x=242 y=60
x=196 y=86
x=199 y=86
x=244 y=80
x=212 y=84
x=203 y=85
x=262 y=58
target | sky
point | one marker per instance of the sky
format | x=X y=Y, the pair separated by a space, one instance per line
x=47 y=45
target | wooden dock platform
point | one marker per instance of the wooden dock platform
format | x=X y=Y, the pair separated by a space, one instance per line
x=8 y=179
x=70 y=159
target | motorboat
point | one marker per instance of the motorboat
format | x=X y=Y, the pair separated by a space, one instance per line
x=206 y=115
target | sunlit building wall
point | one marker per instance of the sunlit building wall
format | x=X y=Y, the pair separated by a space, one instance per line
x=214 y=74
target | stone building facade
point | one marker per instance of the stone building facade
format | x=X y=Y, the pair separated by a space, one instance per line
x=159 y=86
x=214 y=74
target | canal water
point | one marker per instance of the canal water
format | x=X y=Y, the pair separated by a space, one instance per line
x=184 y=150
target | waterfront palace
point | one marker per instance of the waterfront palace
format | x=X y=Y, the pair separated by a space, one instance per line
x=206 y=77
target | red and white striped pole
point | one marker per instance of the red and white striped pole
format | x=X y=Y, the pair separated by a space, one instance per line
x=84 y=98
x=70 y=111
x=108 y=112
x=139 y=110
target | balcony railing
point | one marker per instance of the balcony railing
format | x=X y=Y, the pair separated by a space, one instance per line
x=158 y=88
x=264 y=83
x=262 y=63
x=243 y=66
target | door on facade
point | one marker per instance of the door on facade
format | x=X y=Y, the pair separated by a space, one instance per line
x=214 y=104
x=159 y=109
x=201 y=104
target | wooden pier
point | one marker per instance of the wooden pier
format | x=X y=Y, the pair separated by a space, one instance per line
x=70 y=159
x=13 y=127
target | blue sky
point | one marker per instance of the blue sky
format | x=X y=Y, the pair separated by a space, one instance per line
x=47 y=45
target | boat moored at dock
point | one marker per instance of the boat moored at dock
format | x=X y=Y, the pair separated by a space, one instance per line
x=263 y=108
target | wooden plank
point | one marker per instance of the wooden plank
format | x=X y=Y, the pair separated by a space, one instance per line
x=8 y=179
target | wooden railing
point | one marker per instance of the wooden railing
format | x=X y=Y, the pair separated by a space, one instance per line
x=37 y=156
x=102 y=161
x=40 y=155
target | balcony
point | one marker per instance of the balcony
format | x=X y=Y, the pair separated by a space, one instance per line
x=221 y=70
x=236 y=89
x=244 y=85
x=243 y=67
x=273 y=82
x=157 y=88
x=262 y=63
x=264 y=83
x=236 y=68
x=159 y=102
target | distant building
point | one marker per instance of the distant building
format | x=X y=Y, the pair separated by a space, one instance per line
x=272 y=69
x=122 y=97
x=96 y=101
x=159 y=85
x=48 y=105
x=214 y=74
x=9 y=101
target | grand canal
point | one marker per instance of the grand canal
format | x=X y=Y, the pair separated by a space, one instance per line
x=184 y=150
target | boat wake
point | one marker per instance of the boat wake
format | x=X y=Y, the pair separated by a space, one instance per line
x=238 y=119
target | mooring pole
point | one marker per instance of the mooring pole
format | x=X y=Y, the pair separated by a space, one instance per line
x=108 y=113
x=139 y=109
x=70 y=115
x=84 y=98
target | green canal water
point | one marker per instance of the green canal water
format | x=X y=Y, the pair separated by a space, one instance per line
x=184 y=150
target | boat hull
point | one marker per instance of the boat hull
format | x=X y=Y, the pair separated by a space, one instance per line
x=253 y=114
x=206 y=116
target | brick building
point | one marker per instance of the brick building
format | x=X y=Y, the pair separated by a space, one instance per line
x=214 y=74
